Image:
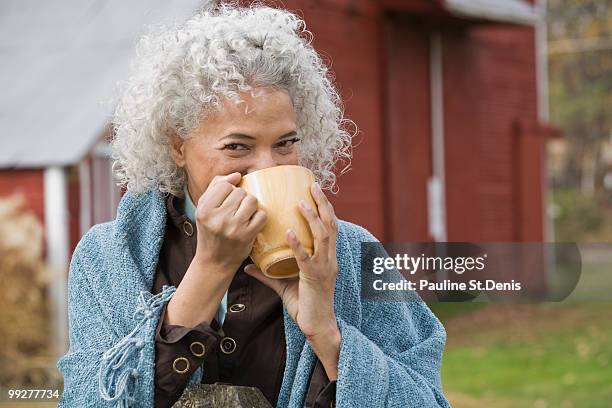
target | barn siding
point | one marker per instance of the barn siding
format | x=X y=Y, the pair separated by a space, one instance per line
x=508 y=77
x=462 y=127
x=29 y=182
x=490 y=84
x=408 y=136
x=352 y=42
x=381 y=66
x=74 y=207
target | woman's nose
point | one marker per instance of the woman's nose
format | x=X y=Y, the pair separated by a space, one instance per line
x=263 y=161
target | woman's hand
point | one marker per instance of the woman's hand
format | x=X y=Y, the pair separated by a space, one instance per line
x=309 y=299
x=228 y=221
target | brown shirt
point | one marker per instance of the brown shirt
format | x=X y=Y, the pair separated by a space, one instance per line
x=250 y=347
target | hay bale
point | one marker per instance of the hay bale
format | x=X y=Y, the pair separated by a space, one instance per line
x=25 y=356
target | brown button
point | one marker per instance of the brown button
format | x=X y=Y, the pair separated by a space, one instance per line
x=188 y=228
x=197 y=349
x=228 y=345
x=180 y=361
x=237 y=307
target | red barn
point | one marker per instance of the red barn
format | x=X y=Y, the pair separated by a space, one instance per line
x=449 y=95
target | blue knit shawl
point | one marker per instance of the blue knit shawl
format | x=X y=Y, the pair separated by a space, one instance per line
x=390 y=353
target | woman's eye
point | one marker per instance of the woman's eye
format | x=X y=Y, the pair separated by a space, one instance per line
x=235 y=146
x=288 y=142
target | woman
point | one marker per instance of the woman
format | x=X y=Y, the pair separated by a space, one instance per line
x=166 y=295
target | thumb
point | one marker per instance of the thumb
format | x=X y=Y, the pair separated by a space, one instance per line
x=232 y=178
x=274 y=284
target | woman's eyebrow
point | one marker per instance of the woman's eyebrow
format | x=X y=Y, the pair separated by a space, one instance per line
x=244 y=136
x=292 y=133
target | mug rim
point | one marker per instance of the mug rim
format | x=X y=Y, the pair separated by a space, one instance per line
x=260 y=171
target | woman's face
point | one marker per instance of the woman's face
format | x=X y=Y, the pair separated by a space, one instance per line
x=244 y=137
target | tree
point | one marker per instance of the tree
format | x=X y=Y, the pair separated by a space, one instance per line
x=580 y=61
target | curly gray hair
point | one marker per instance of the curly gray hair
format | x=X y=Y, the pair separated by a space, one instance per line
x=180 y=74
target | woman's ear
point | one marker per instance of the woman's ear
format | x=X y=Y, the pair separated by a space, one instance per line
x=177 y=149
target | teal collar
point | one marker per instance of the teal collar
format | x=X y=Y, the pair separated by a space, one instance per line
x=187 y=206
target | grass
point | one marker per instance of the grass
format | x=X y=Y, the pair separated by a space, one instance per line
x=543 y=356
x=569 y=369
x=525 y=355
x=595 y=284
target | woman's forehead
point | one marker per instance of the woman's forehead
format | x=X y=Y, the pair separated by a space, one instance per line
x=269 y=105
x=271 y=113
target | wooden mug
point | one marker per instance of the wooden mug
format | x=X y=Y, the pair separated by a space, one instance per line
x=279 y=190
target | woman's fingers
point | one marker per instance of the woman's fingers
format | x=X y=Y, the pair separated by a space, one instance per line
x=247 y=208
x=319 y=232
x=300 y=253
x=257 y=222
x=233 y=200
x=214 y=195
x=327 y=215
x=326 y=210
x=232 y=178
x=219 y=188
